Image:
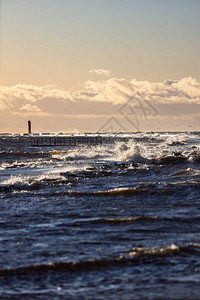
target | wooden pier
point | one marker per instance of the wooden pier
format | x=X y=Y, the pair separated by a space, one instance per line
x=49 y=141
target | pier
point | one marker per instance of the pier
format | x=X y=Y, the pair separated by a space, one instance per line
x=65 y=139
x=48 y=141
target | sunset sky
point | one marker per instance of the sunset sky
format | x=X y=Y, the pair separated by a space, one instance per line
x=97 y=65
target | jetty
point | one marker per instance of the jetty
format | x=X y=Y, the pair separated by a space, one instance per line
x=70 y=140
x=64 y=139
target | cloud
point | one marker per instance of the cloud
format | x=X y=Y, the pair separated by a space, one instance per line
x=32 y=113
x=101 y=72
x=165 y=105
x=31 y=93
x=121 y=90
x=172 y=94
x=30 y=108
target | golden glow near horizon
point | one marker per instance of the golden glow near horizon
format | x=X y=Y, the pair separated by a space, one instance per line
x=72 y=65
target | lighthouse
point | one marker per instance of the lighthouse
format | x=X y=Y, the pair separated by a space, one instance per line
x=29 y=126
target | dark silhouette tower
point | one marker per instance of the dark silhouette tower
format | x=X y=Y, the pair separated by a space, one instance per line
x=29 y=126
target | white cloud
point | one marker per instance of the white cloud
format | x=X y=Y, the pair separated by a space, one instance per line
x=31 y=98
x=121 y=90
x=101 y=72
x=32 y=93
x=30 y=108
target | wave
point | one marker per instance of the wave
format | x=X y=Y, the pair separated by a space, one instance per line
x=112 y=192
x=135 y=255
x=120 y=151
x=80 y=153
x=31 y=181
x=162 y=251
x=171 y=159
x=124 y=220
x=187 y=172
x=175 y=140
x=144 y=218
x=194 y=158
x=22 y=154
x=128 y=151
x=67 y=180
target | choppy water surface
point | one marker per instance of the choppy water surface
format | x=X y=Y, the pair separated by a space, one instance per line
x=117 y=221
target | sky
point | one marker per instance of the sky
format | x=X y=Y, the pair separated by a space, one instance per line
x=99 y=65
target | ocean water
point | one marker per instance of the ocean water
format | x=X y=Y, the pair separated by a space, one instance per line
x=114 y=221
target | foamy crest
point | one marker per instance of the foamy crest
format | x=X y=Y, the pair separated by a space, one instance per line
x=154 y=251
x=13 y=180
x=128 y=152
x=80 y=153
x=50 y=176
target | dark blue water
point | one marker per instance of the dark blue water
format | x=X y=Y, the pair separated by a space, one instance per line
x=117 y=221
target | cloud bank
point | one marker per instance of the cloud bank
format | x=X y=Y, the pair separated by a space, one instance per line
x=115 y=91
x=100 y=98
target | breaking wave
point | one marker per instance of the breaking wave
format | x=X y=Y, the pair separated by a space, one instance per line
x=121 y=151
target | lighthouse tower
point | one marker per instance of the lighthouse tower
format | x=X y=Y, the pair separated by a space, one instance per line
x=29 y=126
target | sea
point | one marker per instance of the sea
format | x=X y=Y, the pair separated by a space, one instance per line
x=119 y=220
